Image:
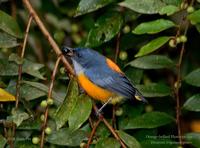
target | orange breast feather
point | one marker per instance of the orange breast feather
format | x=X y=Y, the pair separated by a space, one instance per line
x=93 y=90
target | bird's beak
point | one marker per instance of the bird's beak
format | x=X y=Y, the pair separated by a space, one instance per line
x=67 y=51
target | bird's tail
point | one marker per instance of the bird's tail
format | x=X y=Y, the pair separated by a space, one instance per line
x=140 y=97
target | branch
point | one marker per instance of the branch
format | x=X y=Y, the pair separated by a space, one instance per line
x=92 y=133
x=49 y=96
x=178 y=83
x=117 y=47
x=48 y=36
x=20 y=66
x=17 y=96
x=109 y=127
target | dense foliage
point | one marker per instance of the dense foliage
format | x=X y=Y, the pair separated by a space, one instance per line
x=155 y=42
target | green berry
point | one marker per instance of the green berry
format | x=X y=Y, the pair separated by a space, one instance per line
x=42 y=117
x=82 y=145
x=178 y=40
x=172 y=43
x=49 y=101
x=123 y=55
x=126 y=29
x=48 y=130
x=148 y=108
x=59 y=36
x=43 y=103
x=119 y=112
x=190 y=9
x=35 y=140
x=74 y=28
x=176 y=85
x=94 y=141
x=184 y=5
x=62 y=70
x=183 y=38
x=76 y=38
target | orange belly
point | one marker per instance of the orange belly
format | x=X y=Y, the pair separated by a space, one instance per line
x=93 y=90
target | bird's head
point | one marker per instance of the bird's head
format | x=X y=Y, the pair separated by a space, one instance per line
x=83 y=56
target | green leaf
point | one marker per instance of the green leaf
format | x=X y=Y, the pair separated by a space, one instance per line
x=63 y=112
x=57 y=97
x=3 y=141
x=193 y=103
x=154 y=90
x=197 y=27
x=129 y=112
x=30 y=125
x=18 y=117
x=81 y=112
x=153 y=27
x=193 y=138
x=32 y=69
x=193 y=78
x=195 y=16
x=173 y=2
x=24 y=143
x=130 y=141
x=102 y=131
x=14 y=57
x=143 y=6
x=152 y=46
x=7 y=41
x=149 y=120
x=168 y=10
x=9 y=25
x=66 y=137
x=106 y=27
x=86 y=6
x=108 y=142
x=134 y=74
x=8 y=68
x=152 y=62
x=27 y=92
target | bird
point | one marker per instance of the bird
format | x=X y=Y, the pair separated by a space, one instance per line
x=99 y=77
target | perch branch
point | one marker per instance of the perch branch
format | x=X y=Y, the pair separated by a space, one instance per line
x=109 y=127
x=92 y=133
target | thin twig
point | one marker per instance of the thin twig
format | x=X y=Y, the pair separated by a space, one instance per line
x=18 y=85
x=93 y=132
x=109 y=127
x=20 y=65
x=178 y=84
x=49 y=96
x=90 y=122
x=48 y=36
x=13 y=9
x=117 y=50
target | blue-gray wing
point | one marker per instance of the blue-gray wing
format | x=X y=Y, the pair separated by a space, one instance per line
x=111 y=80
